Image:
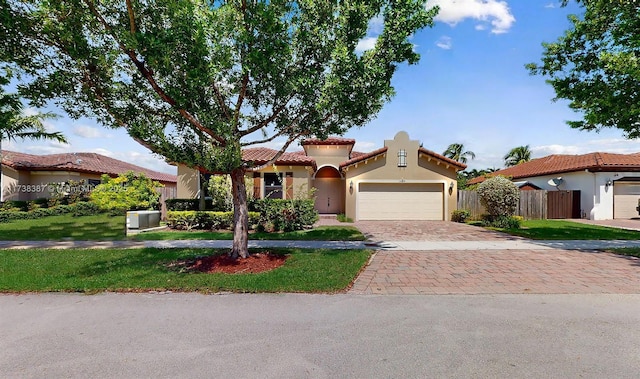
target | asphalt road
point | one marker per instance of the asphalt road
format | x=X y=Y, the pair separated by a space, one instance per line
x=319 y=336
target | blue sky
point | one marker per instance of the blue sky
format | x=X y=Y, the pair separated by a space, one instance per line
x=469 y=87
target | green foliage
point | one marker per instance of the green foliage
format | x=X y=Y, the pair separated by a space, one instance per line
x=343 y=218
x=69 y=192
x=220 y=192
x=456 y=152
x=129 y=191
x=197 y=81
x=501 y=221
x=77 y=209
x=595 y=66
x=205 y=220
x=460 y=215
x=287 y=215
x=517 y=155
x=499 y=196
x=186 y=204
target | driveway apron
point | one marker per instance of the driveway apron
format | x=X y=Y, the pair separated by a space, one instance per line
x=485 y=271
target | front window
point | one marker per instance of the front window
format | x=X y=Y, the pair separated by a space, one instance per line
x=402 y=158
x=273 y=185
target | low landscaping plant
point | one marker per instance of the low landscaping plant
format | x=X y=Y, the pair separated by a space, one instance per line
x=205 y=220
x=502 y=222
x=343 y=218
x=286 y=215
x=460 y=215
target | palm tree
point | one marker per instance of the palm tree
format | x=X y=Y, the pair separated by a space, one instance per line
x=517 y=155
x=15 y=125
x=456 y=152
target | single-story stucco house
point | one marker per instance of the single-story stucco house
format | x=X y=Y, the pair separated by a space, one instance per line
x=400 y=181
x=27 y=176
x=609 y=184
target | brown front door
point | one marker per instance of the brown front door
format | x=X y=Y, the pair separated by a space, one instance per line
x=329 y=191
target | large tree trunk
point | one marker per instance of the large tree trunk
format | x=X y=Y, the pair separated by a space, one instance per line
x=240 y=247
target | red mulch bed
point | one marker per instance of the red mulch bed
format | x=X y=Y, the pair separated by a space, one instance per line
x=259 y=262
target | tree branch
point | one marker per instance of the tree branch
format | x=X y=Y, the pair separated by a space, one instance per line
x=146 y=73
x=132 y=20
x=268 y=120
x=279 y=153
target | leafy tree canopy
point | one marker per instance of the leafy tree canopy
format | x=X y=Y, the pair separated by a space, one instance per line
x=596 y=66
x=517 y=155
x=456 y=152
x=196 y=81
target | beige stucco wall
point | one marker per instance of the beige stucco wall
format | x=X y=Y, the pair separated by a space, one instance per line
x=301 y=177
x=384 y=169
x=10 y=180
x=187 y=186
x=331 y=155
x=188 y=179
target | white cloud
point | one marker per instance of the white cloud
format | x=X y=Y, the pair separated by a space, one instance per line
x=550 y=5
x=366 y=43
x=147 y=160
x=611 y=145
x=365 y=146
x=444 y=42
x=494 y=11
x=88 y=132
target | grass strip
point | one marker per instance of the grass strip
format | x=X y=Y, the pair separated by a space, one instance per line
x=94 y=270
x=320 y=233
x=568 y=230
x=98 y=228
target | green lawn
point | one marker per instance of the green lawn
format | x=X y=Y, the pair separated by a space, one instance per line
x=98 y=227
x=321 y=233
x=105 y=227
x=567 y=230
x=90 y=271
x=628 y=251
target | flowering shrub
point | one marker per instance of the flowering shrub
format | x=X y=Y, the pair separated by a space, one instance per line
x=129 y=191
x=499 y=196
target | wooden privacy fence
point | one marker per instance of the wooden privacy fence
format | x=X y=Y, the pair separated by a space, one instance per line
x=166 y=193
x=532 y=206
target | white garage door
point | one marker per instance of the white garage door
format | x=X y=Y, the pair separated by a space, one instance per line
x=400 y=201
x=625 y=199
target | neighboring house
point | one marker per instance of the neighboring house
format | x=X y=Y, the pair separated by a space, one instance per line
x=27 y=176
x=609 y=184
x=401 y=181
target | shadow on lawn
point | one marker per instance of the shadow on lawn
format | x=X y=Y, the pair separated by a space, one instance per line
x=65 y=230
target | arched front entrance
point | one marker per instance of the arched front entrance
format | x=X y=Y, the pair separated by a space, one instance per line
x=329 y=194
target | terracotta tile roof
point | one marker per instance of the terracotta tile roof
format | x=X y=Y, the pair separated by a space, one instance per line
x=90 y=163
x=557 y=164
x=362 y=156
x=441 y=157
x=329 y=141
x=261 y=155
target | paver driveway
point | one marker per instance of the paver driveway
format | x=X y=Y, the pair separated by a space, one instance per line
x=476 y=271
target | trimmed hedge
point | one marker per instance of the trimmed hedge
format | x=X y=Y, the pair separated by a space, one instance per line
x=77 y=209
x=205 y=220
x=190 y=205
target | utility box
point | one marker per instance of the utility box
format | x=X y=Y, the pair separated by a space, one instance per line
x=143 y=219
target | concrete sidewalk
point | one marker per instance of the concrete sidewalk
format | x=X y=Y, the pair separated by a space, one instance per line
x=384 y=245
